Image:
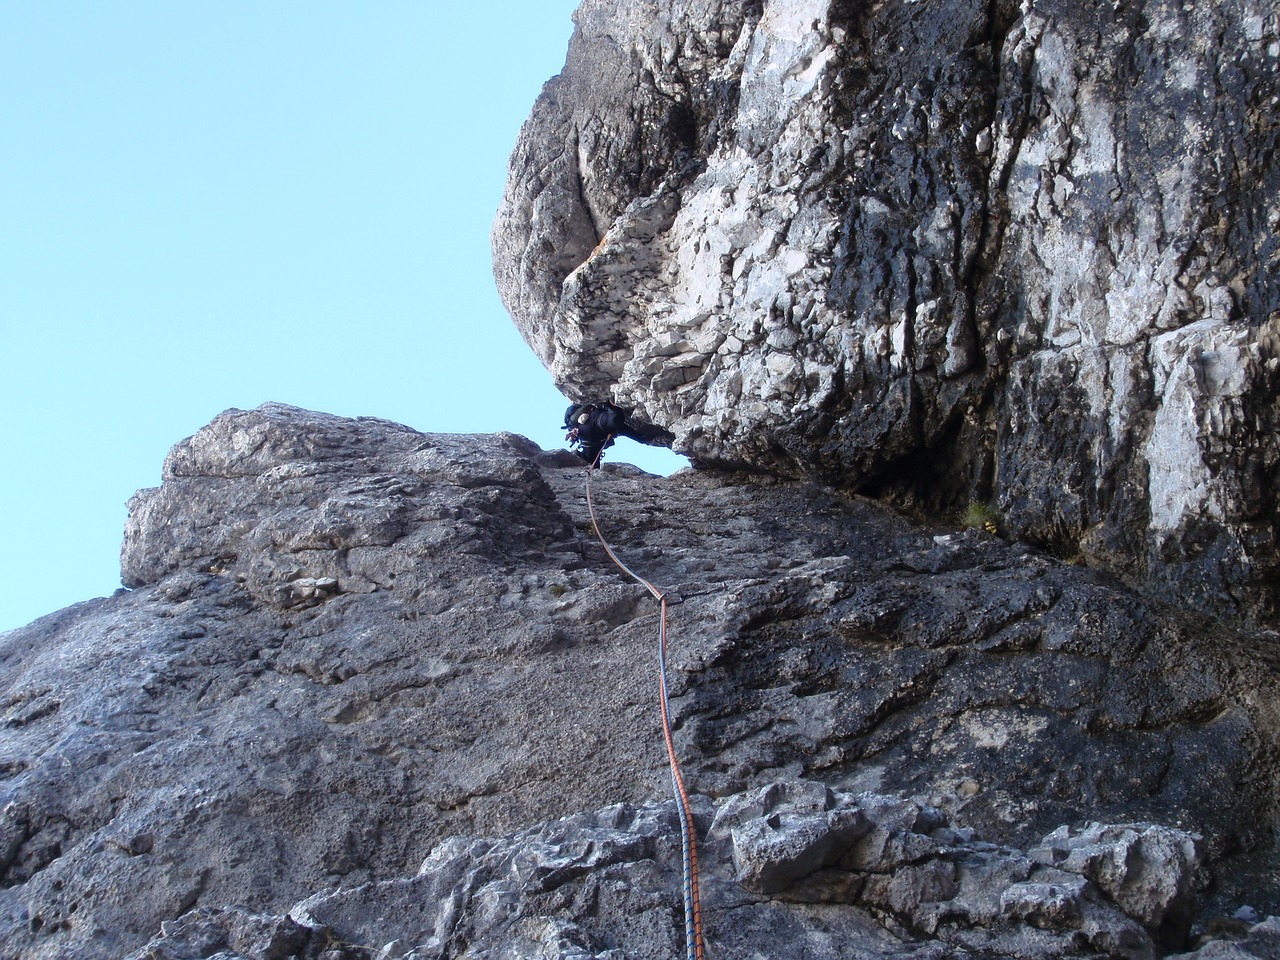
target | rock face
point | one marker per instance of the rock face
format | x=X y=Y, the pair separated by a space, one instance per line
x=594 y=887
x=373 y=688
x=946 y=252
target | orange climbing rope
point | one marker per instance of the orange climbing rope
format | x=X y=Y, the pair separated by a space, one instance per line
x=694 y=949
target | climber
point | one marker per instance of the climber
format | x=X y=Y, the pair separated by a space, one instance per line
x=593 y=426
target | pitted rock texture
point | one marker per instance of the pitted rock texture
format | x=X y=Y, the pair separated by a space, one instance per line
x=349 y=643
x=948 y=251
x=596 y=886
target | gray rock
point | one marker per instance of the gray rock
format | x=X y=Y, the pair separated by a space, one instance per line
x=787 y=831
x=944 y=252
x=1147 y=870
x=1045 y=904
x=231 y=932
x=599 y=887
x=1258 y=941
x=883 y=695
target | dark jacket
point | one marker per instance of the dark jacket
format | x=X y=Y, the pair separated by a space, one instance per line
x=593 y=426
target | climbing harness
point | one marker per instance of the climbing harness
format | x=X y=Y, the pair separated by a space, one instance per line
x=688 y=830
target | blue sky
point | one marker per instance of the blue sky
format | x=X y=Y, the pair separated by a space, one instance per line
x=215 y=205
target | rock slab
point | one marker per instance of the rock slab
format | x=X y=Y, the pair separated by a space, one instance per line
x=350 y=647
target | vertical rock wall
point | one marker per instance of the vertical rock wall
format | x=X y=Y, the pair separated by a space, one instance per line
x=939 y=250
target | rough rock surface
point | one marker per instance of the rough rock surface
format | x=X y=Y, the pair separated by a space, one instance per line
x=947 y=251
x=350 y=646
x=596 y=887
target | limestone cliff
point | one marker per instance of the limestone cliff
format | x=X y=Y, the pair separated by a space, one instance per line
x=379 y=693
x=941 y=251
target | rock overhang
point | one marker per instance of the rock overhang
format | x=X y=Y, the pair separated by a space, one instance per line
x=946 y=253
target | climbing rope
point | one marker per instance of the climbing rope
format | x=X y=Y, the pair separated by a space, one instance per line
x=688 y=830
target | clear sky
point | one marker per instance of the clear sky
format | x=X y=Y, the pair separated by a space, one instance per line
x=213 y=205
